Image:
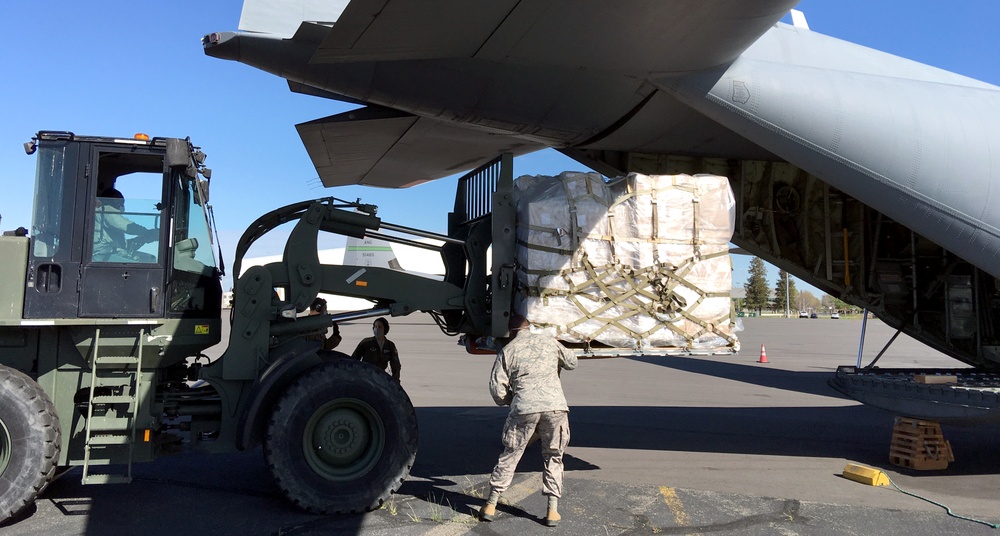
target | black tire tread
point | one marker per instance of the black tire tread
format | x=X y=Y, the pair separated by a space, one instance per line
x=17 y=388
x=329 y=373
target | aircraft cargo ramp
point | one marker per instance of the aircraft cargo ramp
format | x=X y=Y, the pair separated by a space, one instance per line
x=972 y=398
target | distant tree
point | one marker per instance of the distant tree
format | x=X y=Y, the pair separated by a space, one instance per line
x=756 y=286
x=779 y=292
x=833 y=303
x=808 y=301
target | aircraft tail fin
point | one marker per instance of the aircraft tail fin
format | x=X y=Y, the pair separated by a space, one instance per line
x=799 y=20
x=370 y=252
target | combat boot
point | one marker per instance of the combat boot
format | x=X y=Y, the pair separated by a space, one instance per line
x=487 y=512
x=552 y=518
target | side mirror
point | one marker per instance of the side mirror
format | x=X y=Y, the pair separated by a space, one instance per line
x=178 y=153
x=202 y=187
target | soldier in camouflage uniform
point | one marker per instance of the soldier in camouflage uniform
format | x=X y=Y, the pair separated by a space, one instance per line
x=110 y=228
x=526 y=377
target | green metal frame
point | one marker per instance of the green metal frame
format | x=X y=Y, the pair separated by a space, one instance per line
x=13 y=270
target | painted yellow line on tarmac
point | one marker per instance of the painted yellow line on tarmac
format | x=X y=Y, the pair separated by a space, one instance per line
x=674 y=503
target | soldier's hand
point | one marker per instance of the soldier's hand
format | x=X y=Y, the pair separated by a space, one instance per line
x=150 y=235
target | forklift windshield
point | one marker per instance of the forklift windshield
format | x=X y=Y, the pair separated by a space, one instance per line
x=194 y=267
x=191 y=226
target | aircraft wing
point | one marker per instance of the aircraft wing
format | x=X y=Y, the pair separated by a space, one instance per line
x=475 y=78
x=282 y=18
x=376 y=146
x=659 y=36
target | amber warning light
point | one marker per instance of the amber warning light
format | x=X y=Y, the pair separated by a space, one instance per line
x=141 y=136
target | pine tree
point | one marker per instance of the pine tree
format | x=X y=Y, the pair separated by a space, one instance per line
x=756 y=286
x=779 y=292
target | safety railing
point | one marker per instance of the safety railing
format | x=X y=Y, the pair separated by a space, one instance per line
x=474 y=196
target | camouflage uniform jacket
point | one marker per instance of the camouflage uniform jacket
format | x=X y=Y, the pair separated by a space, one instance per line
x=109 y=232
x=526 y=374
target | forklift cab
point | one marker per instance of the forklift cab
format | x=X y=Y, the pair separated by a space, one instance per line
x=120 y=228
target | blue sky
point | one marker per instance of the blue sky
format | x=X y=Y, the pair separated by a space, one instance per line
x=116 y=68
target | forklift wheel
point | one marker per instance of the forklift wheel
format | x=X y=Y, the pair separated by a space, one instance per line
x=29 y=442
x=342 y=438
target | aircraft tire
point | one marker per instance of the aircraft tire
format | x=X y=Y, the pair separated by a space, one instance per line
x=30 y=441
x=342 y=438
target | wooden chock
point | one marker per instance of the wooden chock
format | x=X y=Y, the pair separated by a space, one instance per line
x=919 y=445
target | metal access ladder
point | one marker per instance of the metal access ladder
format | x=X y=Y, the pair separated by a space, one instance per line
x=110 y=432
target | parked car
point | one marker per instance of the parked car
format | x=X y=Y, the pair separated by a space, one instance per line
x=834 y=315
x=813 y=315
x=803 y=314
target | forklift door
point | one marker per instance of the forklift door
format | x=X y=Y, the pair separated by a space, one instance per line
x=124 y=252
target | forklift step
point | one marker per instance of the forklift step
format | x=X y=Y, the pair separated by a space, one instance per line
x=110 y=424
x=116 y=360
x=113 y=399
x=110 y=439
x=100 y=478
x=117 y=381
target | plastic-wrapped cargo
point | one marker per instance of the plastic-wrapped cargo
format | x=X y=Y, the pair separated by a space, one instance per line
x=639 y=263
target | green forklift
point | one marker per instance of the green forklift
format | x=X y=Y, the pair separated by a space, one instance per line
x=110 y=299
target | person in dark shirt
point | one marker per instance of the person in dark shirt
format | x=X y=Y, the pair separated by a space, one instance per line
x=379 y=350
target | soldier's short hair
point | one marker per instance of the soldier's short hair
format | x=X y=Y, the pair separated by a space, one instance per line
x=517 y=322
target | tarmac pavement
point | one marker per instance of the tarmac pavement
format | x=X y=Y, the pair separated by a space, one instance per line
x=664 y=445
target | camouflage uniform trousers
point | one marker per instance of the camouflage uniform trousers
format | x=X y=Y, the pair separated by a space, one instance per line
x=553 y=429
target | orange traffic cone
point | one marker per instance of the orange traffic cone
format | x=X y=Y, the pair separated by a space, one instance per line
x=763 y=355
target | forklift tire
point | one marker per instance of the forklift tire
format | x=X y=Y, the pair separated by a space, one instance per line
x=342 y=438
x=29 y=442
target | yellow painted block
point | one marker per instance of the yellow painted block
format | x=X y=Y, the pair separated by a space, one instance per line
x=866 y=475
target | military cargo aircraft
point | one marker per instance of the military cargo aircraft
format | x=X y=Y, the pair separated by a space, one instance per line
x=867 y=175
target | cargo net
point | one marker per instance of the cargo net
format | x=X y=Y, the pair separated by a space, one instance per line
x=641 y=262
